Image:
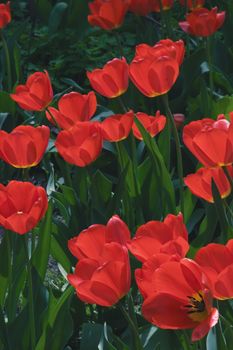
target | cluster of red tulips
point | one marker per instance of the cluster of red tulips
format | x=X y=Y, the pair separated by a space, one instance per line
x=177 y=292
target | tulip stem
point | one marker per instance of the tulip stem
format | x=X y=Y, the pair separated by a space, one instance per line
x=229 y=178
x=9 y=254
x=209 y=58
x=178 y=149
x=133 y=327
x=8 y=62
x=54 y=120
x=30 y=289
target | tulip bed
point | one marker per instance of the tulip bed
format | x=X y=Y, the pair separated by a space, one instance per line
x=116 y=152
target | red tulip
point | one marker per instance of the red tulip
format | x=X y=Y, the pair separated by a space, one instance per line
x=5 y=14
x=200 y=183
x=153 y=125
x=112 y=80
x=108 y=14
x=192 y=4
x=169 y=237
x=89 y=242
x=179 y=119
x=217 y=263
x=166 y=5
x=203 y=22
x=183 y=299
x=103 y=280
x=145 y=276
x=210 y=141
x=117 y=127
x=22 y=206
x=165 y=47
x=25 y=146
x=141 y=7
x=102 y=276
x=73 y=108
x=80 y=145
x=36 y=94
x=154 y=70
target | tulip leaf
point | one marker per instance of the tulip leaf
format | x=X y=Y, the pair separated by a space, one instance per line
x=56 y=318
x=41 y=254
x=165 y=184
x=93 y=334
x=56 y=16
x=7 y=105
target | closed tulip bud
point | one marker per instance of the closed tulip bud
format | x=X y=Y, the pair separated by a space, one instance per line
x=179 y=119
x=112 y=80
x=5 y=14
x=22 y=206
x=36 y=94
x=80 y=145
x=108 y=14
x=25 y=146
x=203 y=22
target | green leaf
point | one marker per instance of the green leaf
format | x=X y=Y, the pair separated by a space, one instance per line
x=7 y=105
x=41 y=255
x=165 y=184
x=56 y=16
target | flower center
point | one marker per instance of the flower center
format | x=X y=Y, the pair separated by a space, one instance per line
x=19 y=212
x=196 y=307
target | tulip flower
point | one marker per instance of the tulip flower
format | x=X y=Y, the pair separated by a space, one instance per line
x=117 y=127
x=22 y=206
x=112 y=80
x=165 y=4
x=89 y=242
x=145 y=276
x=154 y=237
x=165 y=47
x=203 y=22
x=217 y=262
x=36 y=94
x=102 y=275
x=200 y=183
x=80 y=145
x=25 y=146
x=182 y=300
x=210 y=141
x=153 y=125
x=192 y=4
x=141 y=7
x=5 y=14
x=108 y=14
x=154 y=70
x=103 y=280
x=73 y=108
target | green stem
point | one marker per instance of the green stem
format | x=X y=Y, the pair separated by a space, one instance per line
x=54 y=120
x=31 y=301
x=178 y=150
x=8 y=62
x=133 y=327
x=225 y=169
x=10 y=314
x=209 y=58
